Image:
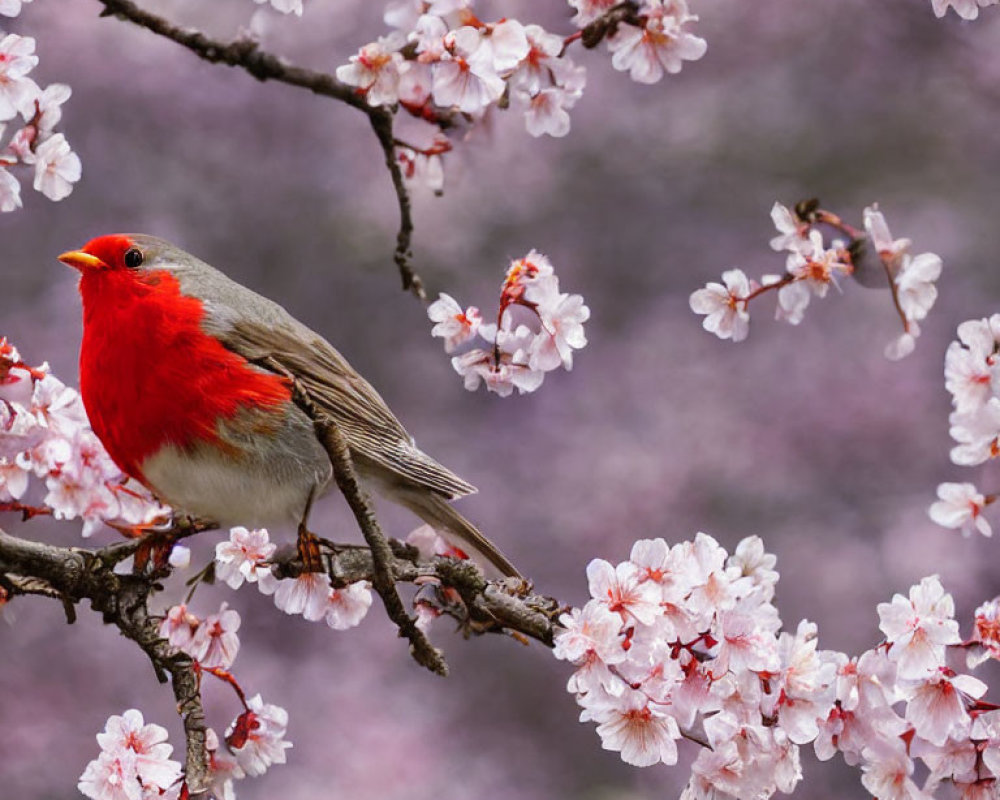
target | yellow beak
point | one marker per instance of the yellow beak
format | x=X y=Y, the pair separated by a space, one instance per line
x=82 y=261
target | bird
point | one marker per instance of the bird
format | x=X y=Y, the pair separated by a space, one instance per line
x=185 y=375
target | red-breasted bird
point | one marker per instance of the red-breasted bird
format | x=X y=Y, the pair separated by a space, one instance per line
x=171 y=379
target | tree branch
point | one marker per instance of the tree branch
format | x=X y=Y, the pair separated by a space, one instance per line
x=382 y=578
x=76 y=574
x=245 y=54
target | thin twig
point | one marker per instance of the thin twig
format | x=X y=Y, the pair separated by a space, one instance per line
x=383 y=580
x=246 y=54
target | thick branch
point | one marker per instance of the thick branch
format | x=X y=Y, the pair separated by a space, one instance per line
x=76 y=574
x=247 y=55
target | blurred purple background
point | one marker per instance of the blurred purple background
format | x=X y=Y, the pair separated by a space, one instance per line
x=805 y=436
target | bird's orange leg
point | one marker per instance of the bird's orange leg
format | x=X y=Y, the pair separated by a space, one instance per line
x=308 y=543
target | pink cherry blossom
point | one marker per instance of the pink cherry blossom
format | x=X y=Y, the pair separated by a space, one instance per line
x=453 y=324
x=641 y=732
x=376 y=70
x=589 y=10
x=11 y=8
x=919 y=627
x=134 y=761
x=308 y=595
x=915 y=283
x=593 y=631
x=57 y=168
x=349 y=605
x=793 y=234
x=725 y=306
x=661 y=45
x=936 y=706
x=257 y=737
x=966 y=9
x=890 y=251
x=469 y=88
x=215 y=643
x=17 y=91
x=10 y=190
x=960 y=505
x=179 y=626
x=622 y=591
x=244 y=558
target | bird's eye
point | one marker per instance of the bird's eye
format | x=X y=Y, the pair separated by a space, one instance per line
x=133 y=258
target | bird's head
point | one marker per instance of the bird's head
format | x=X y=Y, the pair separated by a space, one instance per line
x=123 y=253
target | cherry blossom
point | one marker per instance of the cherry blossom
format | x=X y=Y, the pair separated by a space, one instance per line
x=519 y=355
x=661 y=45
x=57 y=168
x=11 y=8
x=622 y=591
x=257 y=737
x=308 y=595
x=179 y=627
x=919 y=627
x=966 y=9
x=134 y=761
x=215 y=643
x=793 y=233
x=960 y=505
x=375 y=70
x=349 y=605
x=977 y=433
x=970 y=366
x=454 y=325
x=985 y=640
x=725 y=306
x=643 y=734
x=891 y=251
x=10 y=189
x=244 y=557
x=17 y=59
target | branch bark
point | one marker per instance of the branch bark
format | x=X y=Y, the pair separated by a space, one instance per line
x=72 y=574
x=76 y=574
x=245 y=54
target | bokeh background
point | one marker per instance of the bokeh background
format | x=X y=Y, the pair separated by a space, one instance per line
x=805 y=436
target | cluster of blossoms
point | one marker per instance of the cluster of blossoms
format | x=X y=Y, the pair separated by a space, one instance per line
x=812 y=266
x=244 y=557
x=44 y=432
x=972 y=376
x=28 y=118
x=519 y=355
x=442 y=61
x=966 y=9
x=135 y=764
x=685 y=641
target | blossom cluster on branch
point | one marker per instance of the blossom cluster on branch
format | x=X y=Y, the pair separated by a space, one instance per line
x=446 y=67
x=972 y=377
x=813 y=265
x=28 y=119
x=44 y=433
x=685 y=641
x=520 y=354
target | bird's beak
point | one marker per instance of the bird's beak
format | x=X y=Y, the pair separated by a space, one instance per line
x=82 y=261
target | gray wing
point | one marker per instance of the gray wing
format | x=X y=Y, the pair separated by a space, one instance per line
x=371 y=430
x=258 y=328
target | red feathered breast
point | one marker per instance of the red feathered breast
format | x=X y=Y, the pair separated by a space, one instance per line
x=150 y=375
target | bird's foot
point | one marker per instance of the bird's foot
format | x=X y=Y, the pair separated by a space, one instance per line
x=309 y=550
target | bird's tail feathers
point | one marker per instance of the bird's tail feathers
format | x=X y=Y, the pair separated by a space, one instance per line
x=440 y=515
